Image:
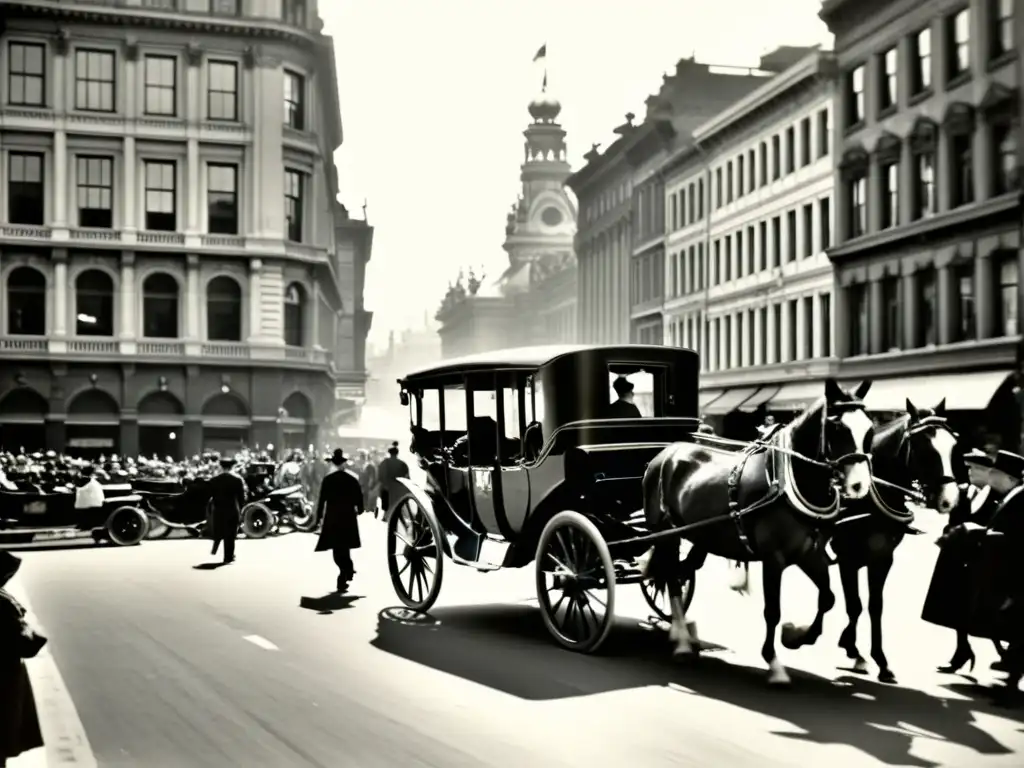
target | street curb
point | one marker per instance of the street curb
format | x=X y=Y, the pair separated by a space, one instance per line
x=64 y=739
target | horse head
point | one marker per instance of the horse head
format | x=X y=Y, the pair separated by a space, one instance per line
x=932 y=455
x=847 y=432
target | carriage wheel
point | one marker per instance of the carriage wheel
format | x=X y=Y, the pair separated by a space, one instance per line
x=415 y=554
x=657 y=597
x=304 y=518
x=127 y=526
x=573 y=561
x=257 y=520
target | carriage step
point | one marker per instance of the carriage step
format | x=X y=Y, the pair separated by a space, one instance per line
x=489 y=557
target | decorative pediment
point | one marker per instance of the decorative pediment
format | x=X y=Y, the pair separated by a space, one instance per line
x=888 y=146
x=959 y=118
x=854 y=159
x=997 y=96
x=924 y=134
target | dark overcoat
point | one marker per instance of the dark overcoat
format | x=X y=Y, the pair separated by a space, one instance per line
x=339 y=505
x=227 y=497
x=19 y=721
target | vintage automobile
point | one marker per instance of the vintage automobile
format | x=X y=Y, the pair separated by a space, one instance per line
x=31 y=515
x=526 y=462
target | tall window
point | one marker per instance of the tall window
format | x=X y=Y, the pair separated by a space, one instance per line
x=807 y=227
x=161 y=85
x=95 y=181
x=776 y=242
x=858 y=206
x=751 y=169
x=825 y=222
x=294 y=101
x=790 y=149
x=1002 y=27
x=94 y=304
x=728 y=182
x=223 y=310
x=963 y=276
x=222 y=199
x=924 y=171
x=825 y=319
x=25 y=188
x=890 y=195
x=824 y=133
x=222 y=90
x=740 y=177
x=26 y=74
x=294 y=12
x=860 y=312
x=740 y=257
x=751 y=262
x=700 y=198
x=887 y=87
x=762 y=245
x=294 y=308
x=26 y=302
x=928 y=318
x=776 y=157
x=763 y=171
x=805 y=142
x=808 y=347
x=921 y=74
x=963 y=169
x=718 y=188
x=958 y=44
x=1005 y=141
x=777 y=331
x=1008 y=278
x=791 y=235
x=892 y=314
x=160 y=307
x=294 y=183
x=855 y=95
x=727 y=260
x=716 y=264
x=161 y=208
x=94 y=81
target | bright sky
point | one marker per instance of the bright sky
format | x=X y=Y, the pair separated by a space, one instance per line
x=433 y=101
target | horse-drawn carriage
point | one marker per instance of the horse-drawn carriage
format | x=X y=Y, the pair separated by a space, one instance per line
x=524 y=465
x=37 y=514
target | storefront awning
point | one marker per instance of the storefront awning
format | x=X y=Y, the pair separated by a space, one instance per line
x=729 y=401
x=962 y=391
x=708 y=396
x=797 y=396
x=759 y=398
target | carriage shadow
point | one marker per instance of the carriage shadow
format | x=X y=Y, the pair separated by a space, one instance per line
x=508 y=649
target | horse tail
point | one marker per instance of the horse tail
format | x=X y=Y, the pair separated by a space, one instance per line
x=658 y=561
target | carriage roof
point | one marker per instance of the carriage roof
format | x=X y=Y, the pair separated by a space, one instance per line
x=531 y=359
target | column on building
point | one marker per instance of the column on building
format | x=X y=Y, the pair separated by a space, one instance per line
x=712 y=356
x=906 y=182
x=314 y=320
x=911 y=326
x=802 y=329
x=876 y=302
x=60 y=138
x=982 y=157
x=786 y=354
x=984 y=303
x=60 y=292
x=129 y=296
x=756 y=353
x=193 y=297
x=735 y=341
x=874 y=201
x=773 y=349
x=268 y=77
x=129 y=160
x=949 y=305
x=193 y=182
x=817 y=328
x=255 y=325
x=840 y=329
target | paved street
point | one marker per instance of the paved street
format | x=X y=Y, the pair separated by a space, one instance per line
x=169 y=666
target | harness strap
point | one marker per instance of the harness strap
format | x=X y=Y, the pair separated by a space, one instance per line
x=735 y=475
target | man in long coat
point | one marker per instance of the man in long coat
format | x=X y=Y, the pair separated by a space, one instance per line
x=19 y=721
x=339 y=505
x=227 y=497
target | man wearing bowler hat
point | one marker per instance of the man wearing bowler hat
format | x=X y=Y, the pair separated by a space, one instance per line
x=227 y=497
x=339 y=504
x=624 y=407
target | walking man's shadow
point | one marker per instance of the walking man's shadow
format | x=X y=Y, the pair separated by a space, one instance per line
x=327 y=604
x=209 y=566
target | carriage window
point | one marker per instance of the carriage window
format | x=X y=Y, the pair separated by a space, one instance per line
x=510 y=407
x=454 y=409
x=641 y=394
x=534 y=402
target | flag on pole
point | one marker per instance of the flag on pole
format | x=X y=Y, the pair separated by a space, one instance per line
x=542 y=52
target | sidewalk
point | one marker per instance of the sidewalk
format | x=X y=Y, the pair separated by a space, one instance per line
x=63 y=734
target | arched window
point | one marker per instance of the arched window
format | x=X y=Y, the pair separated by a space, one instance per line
x=294 y=308
x=94 y=304
x=160 y=307
x=26 y=302
x=223 y=310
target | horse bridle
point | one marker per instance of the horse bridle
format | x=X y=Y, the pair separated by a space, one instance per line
x=838 y=464
x=906 y=447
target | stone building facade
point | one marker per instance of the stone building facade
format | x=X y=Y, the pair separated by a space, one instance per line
x=175 y=271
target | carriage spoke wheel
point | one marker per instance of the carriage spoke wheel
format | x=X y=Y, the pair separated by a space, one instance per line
x=657 y=597
x=415 y=554
x=575 y=582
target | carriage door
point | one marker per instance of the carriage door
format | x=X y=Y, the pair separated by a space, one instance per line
x=484 y=470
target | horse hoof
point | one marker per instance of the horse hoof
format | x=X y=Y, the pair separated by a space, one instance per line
x=791 y=636
x=860 y=666
x=886 y=676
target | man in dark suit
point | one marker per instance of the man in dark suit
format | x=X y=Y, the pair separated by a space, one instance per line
x=389 y=471
x=624 y=407
x=339 y=505
x=227 y=497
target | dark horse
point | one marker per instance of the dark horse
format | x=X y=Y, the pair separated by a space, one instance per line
x=917 y=447
x=772 y=502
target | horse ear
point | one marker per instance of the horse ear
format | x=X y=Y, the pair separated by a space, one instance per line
x=940 y=409
x=911 y=409
x=833 y=392
x=862 y=389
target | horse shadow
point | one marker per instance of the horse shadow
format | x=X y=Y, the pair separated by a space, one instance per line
x=495 y=645
x=327 y=604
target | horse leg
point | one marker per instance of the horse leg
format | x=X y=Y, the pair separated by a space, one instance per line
x=851 y=593
x=679 y=632
x=814 y=564
x=771 y=582
x=878 y=572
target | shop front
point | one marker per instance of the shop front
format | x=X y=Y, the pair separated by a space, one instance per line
x=23 y=421
x=227 y=426
x=93 y=426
